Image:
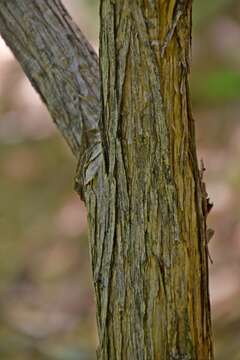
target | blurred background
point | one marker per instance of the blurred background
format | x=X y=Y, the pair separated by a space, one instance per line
x=46 y=297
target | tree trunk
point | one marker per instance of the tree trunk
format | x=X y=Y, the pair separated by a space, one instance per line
x=147 y=226
x=147 y=204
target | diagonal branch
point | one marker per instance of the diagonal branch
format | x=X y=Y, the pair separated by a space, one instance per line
x=63 y=68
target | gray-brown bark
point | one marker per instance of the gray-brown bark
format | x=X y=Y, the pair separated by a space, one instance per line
x=146 y=207
x=63 y=68
x=146 y=204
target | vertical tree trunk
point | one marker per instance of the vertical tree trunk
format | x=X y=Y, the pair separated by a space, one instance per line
x=146 y=207
x=146 y=201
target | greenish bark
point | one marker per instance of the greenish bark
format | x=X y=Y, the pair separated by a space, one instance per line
x=147 y=204
x=146 y=213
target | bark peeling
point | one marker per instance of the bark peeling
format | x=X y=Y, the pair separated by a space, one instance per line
x=146 y=209
x=147 y=225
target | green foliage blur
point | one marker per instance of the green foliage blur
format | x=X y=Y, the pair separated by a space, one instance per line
x=47 y=307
